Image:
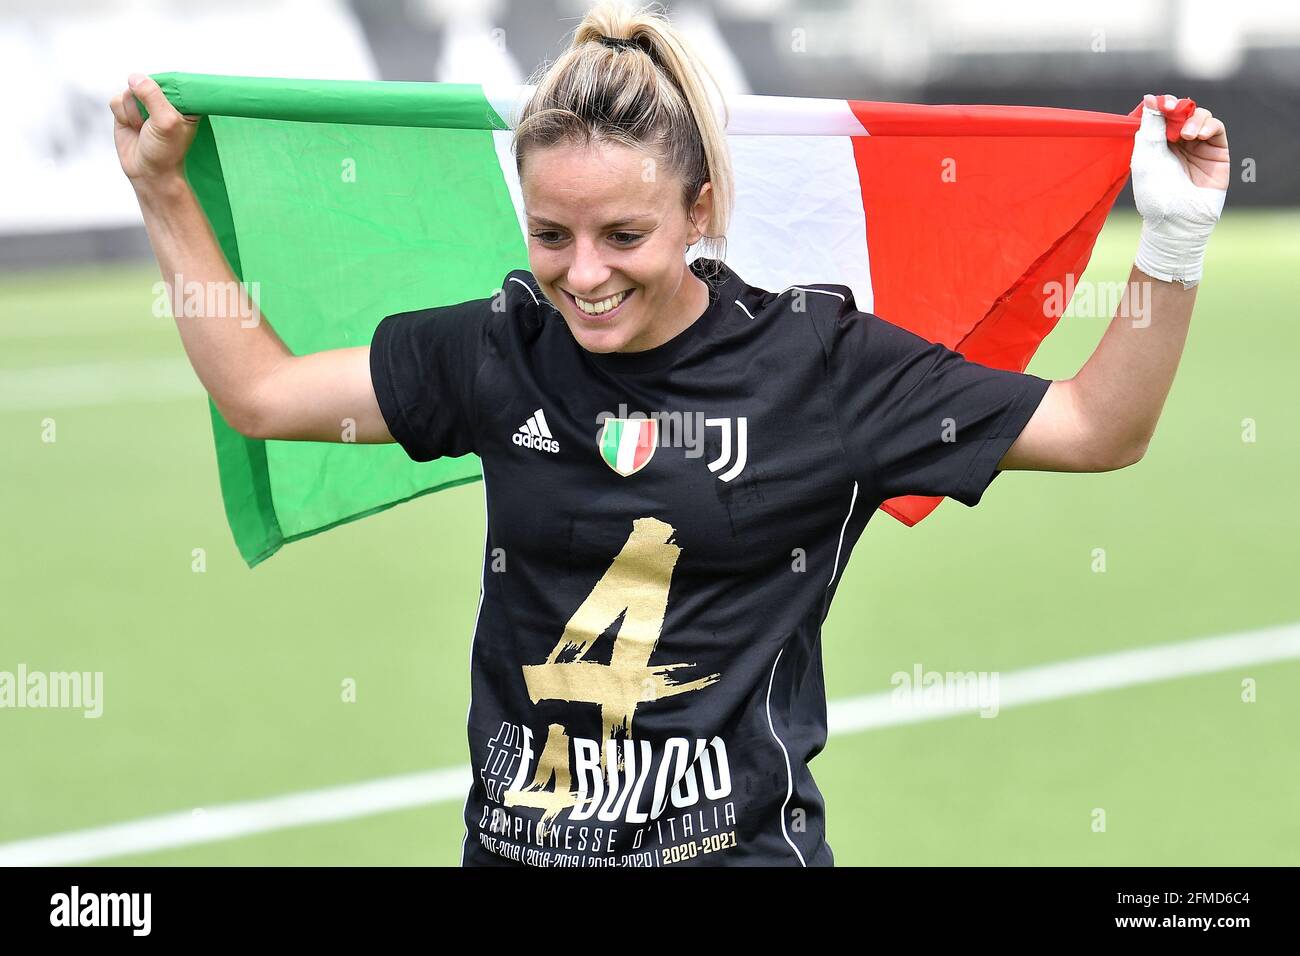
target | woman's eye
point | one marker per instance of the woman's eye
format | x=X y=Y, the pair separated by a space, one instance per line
x=550 y=237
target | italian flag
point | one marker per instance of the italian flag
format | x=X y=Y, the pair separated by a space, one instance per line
x=347 y=201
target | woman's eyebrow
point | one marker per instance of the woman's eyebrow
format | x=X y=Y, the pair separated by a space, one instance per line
x=609 y=225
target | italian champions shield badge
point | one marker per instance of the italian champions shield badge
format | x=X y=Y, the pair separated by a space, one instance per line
x=628 y=444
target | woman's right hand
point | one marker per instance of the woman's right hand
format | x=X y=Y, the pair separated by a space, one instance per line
x=153 y=149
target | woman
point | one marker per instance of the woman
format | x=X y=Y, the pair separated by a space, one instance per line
x=646 y=665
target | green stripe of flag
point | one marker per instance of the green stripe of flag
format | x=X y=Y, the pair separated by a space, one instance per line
x=340 y=225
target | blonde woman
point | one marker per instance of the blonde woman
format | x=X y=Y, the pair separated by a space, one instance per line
x=646 y=667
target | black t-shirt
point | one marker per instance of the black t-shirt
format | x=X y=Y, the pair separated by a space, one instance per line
x=665 y=532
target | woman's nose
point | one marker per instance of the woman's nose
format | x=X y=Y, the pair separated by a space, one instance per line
x=587 y=273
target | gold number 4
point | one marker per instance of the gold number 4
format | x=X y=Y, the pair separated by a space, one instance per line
x=635 y=586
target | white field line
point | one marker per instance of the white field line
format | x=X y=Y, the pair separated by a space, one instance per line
x=232 y=820
x=867 y=712
x=1083 y=675
x=97 y=383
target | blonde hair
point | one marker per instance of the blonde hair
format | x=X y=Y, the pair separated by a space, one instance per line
x=648 y=95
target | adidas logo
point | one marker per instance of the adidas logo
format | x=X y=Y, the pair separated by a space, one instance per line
x=535 y=433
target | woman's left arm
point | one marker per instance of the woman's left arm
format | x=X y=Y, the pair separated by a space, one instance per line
x=1104 y=417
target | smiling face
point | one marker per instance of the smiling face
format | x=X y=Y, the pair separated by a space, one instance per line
x=600 y=226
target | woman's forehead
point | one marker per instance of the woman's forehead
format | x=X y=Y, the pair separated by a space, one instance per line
x=603 y=179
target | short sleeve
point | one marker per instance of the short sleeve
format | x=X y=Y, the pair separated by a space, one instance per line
x=423 y=365
x=916 y=417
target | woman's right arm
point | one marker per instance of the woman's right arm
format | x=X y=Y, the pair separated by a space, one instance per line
x=260 y=387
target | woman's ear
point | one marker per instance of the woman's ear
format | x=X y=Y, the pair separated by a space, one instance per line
x=701 y=212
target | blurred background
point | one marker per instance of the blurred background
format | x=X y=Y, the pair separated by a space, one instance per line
x=223 y=738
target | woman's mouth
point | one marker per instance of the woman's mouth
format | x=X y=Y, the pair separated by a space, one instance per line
x=609 y=307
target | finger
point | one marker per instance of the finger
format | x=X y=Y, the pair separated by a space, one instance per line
x=1205 y=150
x=161 y=113
x=132 y=109
x=1192 y=128
x=1149 y=101
x=119 y=114
x=1168 y=103
x=1214 y=132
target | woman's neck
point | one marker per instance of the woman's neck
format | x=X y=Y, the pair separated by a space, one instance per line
x=690 y=304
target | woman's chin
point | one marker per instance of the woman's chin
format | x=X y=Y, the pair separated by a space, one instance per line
x=600 y=340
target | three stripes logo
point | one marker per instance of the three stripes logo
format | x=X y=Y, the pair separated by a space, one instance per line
x=535 y=433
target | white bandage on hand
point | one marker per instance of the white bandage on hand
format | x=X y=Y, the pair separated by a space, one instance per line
x=1177 y=215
